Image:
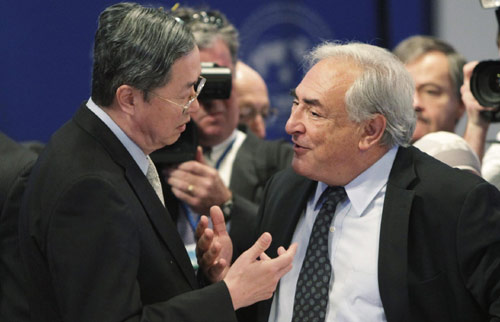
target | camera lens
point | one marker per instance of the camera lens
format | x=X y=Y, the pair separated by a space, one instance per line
x=494 y=81
x=485 y=83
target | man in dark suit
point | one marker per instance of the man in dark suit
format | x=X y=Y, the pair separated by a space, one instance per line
x=98 y=243
x=385 y=232
x=236 y=165
x=15 y=165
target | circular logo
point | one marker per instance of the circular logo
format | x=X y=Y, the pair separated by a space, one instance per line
x=275 y=40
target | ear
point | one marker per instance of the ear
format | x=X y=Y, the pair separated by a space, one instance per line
x=460 y=111
x=127 y=98
x=372 y=132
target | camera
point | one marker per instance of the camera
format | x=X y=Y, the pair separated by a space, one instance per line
x=217 y=86
x=485 y=86
x=485 y=79
x=219 y=82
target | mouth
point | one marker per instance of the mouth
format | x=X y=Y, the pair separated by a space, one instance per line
x=423 y=120
x=298 y=148
x=182 y=127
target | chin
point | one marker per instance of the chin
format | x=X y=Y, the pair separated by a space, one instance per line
x=299 y=167
x=172 y=140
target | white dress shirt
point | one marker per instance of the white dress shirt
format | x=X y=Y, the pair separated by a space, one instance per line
x=353 y=250
x=226 y=163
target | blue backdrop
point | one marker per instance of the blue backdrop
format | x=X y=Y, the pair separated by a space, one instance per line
x=47 y=49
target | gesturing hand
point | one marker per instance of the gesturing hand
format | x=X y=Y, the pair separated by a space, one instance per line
x=214 y=249
x=251 y=280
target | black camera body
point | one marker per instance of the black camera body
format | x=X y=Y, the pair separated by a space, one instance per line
x=217 y=86
x=219 y=82
x=485 y=86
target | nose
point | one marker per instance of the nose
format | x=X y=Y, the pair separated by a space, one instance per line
x=194 y=107
x=260 y=126
x=294 y=125
x=417 y=103
x=206 y=104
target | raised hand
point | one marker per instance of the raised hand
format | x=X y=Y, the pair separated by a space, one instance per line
x=251 y=280
x=198 y=184
x=477 y=125
x=214 y=249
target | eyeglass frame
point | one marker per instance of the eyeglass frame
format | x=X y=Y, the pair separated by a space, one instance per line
x=245 y=117
x=185 y=107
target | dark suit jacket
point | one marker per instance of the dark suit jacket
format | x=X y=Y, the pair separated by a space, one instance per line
x=98 y=243
x=15 y=165
x=439 y=250
x=256 y=161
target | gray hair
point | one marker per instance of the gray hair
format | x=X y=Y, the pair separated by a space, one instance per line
x=415 y=47
x=385 y=87
x=209 y=25
x=137 y=46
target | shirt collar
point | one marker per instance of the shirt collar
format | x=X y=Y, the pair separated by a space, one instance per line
x=132 y=148
x=218 y=149
x=365 y=187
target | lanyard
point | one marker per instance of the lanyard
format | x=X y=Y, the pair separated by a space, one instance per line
x=190 y=215
x=224 y=154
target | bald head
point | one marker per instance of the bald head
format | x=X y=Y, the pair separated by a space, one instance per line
x=253 y=98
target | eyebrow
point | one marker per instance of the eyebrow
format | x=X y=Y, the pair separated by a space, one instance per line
x=429 y=84
x=308 y=101
x=191 y=84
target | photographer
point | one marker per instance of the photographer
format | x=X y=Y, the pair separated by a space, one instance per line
x=477 y=126
x=234 y=166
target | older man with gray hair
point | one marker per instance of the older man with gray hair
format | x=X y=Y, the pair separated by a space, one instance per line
x=385 y=232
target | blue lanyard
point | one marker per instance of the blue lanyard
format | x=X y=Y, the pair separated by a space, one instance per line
x=224 y=154
x=190 y=216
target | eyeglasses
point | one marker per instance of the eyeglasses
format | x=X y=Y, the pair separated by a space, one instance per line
x=248 y=113
x=185 y=107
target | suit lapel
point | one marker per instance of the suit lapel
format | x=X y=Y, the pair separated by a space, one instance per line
x=162 y=221
x=287 y=203
x=157 y=213
x=393 y=246
x=286 y=211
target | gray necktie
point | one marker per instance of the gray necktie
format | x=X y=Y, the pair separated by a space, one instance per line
x=154 y=179
x=311 y=294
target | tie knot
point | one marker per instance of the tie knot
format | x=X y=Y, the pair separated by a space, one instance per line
x=333 y=195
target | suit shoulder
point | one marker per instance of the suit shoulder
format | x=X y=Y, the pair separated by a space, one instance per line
x=15 y=161
x=436 y=175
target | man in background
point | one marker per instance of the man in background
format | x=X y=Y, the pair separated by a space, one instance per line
x=253 y=99
x=436 y=68
x=16 y=162
x=234 y=167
